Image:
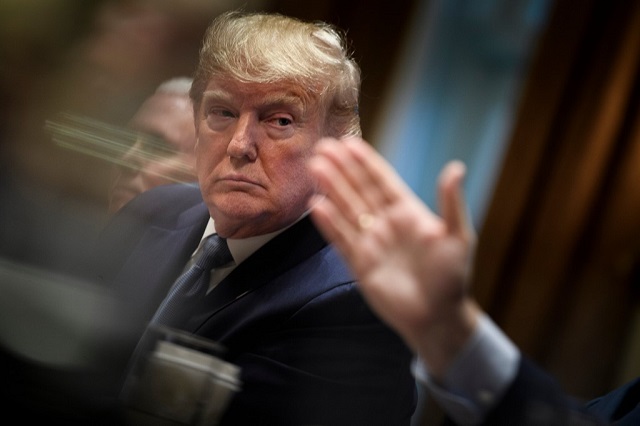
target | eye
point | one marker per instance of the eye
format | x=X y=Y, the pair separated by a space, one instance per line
x=280 y=120
x=280 y=126
x=220 y=112
x=218 y=118
x=283 y=121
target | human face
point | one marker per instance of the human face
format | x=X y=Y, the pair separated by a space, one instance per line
x=254 y=141
x=163 y=152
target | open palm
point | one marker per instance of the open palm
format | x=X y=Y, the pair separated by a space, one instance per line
x=413 y=266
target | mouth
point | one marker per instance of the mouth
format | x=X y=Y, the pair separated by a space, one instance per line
x=236 y=179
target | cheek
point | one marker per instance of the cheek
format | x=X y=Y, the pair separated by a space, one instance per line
x=207 y=155
x=200 y=165
x=292 y=177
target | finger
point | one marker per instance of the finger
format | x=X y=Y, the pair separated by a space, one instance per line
x=355 y=171
x=334 y=226
x=452 y=201
x=337 y=188
x=380 y=173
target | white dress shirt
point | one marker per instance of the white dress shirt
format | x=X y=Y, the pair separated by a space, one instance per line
x=240 y=249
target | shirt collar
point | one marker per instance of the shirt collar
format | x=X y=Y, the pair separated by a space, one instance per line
x=242 y=248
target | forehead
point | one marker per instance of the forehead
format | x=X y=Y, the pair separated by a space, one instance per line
x=162 y=111
x=168 y=116
x=161 y=108
x=259 y=94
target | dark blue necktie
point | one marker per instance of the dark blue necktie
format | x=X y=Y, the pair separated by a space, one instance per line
x=193 y=284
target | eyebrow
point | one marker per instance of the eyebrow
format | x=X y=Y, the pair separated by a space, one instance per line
x=271 y=100
x=276 y=99
x=216 y=95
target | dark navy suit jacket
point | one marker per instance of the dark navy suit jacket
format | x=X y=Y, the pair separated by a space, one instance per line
x=291 y=316
x=536 y=399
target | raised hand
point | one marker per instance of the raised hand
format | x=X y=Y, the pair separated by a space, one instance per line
x=413 y=266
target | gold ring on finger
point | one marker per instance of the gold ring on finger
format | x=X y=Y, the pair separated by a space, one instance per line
x=365 y=221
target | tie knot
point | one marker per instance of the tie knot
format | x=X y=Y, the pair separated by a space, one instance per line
x=214 y=253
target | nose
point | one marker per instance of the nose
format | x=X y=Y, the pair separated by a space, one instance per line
x=243 y=140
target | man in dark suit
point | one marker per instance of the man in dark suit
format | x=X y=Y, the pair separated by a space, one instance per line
x=285 y=308
x=162 y=152
x=415 y=273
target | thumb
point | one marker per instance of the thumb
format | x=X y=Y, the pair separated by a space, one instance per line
x=453 y=206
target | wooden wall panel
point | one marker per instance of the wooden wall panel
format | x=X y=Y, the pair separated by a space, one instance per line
x=555 y=262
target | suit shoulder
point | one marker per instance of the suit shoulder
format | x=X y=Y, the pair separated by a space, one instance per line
x=619 y=402
x=163 y=200
x=160 y=206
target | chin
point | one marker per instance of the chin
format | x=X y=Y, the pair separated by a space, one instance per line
x=233 y=202
x=237 y=210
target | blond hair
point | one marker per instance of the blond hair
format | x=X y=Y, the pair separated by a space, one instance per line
x=271 y=48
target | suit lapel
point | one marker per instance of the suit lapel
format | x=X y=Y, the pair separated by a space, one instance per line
x=620 y=406
x=282 y=253
x=163 y=252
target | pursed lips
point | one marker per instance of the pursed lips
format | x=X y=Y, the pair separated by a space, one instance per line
x=239 y=179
